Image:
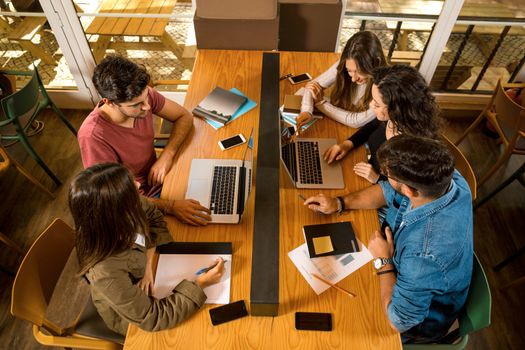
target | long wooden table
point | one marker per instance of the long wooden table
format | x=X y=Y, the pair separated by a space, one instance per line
x=359 y=323
x=109 y=27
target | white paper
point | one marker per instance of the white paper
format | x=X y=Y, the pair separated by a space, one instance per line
x=332 y=268
x=173 y=268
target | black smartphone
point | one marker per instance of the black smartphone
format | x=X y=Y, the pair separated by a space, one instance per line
x=313 y=321
x=383 y=228
x=228 y=312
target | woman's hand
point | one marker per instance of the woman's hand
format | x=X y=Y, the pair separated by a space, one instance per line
x=302 y=119
x=146 y=283
x=338 y=151
x=212 y=276
x=367 y=171
x=316 y=90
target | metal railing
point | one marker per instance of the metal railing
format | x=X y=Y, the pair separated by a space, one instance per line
x=470 y=22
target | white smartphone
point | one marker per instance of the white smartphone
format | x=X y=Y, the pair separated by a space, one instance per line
x=232 y=142
x=300 y=78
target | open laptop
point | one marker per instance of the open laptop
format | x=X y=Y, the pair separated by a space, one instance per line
x=304 y=163
x=222 y=185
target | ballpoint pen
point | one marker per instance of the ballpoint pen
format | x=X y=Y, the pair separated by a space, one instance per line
x=206 y=269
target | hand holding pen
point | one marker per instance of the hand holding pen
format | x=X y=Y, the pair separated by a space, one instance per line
x=211 y=274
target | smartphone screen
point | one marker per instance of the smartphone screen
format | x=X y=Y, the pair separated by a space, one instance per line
x=313 y=321
x=301 y=77
x=228 y=312
x=232 y=141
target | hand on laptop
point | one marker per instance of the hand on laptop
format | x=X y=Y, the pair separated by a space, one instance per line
x=367 y=171
x=322 y=204
x=190 y=211
x=338 y=151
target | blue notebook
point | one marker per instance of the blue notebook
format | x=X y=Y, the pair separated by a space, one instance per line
x=246 y=107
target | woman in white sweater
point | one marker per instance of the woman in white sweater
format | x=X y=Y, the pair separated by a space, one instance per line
x=349 y=100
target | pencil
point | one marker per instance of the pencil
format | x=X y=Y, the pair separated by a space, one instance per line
x=350 y=294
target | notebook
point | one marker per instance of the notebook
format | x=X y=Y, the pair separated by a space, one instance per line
x=220 y=105
x=330 y=239
x=304 y=163
x=222 y=185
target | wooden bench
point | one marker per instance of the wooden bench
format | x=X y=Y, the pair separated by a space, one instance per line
x=23 y=34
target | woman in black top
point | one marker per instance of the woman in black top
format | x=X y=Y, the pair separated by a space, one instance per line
x=403 y=104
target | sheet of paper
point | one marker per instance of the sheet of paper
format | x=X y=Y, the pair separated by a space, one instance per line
x=332 y=268
x=246 y=107
x=173 y=268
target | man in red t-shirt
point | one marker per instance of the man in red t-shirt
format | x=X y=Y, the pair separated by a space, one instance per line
x=120 y=130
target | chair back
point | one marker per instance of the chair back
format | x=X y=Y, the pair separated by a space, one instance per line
x=463 y=166
x=509 y=114
x=476 y=312
x=4 y=160
x=39 y=272
x=24 y=100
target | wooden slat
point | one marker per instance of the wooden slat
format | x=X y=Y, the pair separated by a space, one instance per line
x=98 y=23
x=147 y=23
x=26 y=28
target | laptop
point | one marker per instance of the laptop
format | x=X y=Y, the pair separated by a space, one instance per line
x=304 y=163
x=222 y=185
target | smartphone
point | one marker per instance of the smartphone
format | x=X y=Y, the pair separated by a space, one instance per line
x=232 y=142
x=313 y=321
x=296 y=79
x=228 y=312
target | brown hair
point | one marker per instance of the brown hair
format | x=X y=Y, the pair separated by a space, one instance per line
x=365 y=49
x=107 y=212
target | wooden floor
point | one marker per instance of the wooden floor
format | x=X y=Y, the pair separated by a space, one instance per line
x=25 y=211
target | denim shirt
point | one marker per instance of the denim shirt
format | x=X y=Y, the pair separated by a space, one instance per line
x=433 y=256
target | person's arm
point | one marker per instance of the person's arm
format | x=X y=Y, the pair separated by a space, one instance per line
x=361 y=136
x=326 y=79
x=182 y=125
x=368 y=198
x=352 y=119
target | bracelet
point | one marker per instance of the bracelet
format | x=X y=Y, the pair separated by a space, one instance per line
x=341 y=204
x=386 y=271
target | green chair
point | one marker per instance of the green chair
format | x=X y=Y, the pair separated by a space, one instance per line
x=475 y=314
x=28 y=101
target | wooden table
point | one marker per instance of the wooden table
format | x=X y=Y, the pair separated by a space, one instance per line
x=358 y=323
x=108 y=27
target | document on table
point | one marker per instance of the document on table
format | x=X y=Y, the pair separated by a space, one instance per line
x=333 y=268
x=173 y=267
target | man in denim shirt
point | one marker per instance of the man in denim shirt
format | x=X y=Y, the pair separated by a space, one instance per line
x=424 y=265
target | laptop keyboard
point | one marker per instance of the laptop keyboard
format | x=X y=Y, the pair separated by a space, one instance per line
x=288 y=156
x=223 y=190
x=309 y=162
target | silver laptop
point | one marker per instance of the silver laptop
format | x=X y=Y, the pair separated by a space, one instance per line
x=304 y=163
x=222 y=185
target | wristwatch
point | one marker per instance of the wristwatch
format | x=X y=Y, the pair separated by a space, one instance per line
x=380 y=262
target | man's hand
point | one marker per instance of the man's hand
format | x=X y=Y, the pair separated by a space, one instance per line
x=367 y=171
x=190 y=211
x=316 y=89
x=322 y=204
x=379 y=247
x=338 y=151
x=146 y=283
x=212 y=276
x=160 y=168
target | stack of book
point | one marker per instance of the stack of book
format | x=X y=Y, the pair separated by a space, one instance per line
x=291 y=109
x=220 y=105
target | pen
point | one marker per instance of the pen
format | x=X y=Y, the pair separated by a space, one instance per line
x=206 y=269
x=350 y=294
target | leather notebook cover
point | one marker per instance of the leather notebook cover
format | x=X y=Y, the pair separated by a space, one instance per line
x=342 y=239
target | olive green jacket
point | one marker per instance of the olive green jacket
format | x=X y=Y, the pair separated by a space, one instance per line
x=120 y=301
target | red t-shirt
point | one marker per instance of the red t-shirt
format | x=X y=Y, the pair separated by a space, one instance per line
x=101 y=141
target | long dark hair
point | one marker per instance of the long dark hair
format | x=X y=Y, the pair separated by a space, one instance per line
x=107 y=212
x=411 y=106
x=365 y=49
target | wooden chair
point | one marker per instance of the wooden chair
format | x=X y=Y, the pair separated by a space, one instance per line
x=508 y=118
x=34 y=286
x=29 y=101
x=463 y=166
x=6 y=161
x=474 y=316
